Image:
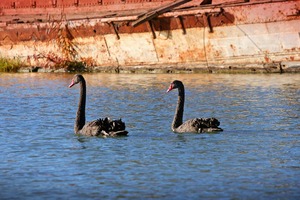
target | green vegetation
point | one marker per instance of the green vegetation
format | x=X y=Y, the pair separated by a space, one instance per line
x=75 y=66
x=10 y=65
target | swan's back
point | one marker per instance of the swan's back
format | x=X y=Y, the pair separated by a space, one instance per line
x=199 y=125
x=104 y=127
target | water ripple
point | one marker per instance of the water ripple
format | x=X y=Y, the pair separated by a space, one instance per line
x=257 y=156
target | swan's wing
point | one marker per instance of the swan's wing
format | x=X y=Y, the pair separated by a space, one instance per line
x=94 y=128
x=104 y=127
x=115 y=125
x=207 y=124
x=189 y=126
x=199 y=125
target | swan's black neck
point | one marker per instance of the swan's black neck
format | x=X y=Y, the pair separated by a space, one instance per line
x=177 y=121
x=80 y=117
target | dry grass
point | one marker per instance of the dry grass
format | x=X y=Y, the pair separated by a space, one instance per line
x=68 y=57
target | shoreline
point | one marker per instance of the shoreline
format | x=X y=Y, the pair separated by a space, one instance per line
x=179 y=68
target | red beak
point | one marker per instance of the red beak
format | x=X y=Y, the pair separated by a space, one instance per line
x=170 y=88
x=71 y=85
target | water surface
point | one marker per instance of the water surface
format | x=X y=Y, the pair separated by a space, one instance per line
x=256 y=157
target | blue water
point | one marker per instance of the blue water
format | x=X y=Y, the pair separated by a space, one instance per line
x=256 y=157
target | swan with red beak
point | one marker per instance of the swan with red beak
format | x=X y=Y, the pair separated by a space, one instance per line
x=99 y=127
x=197 y=125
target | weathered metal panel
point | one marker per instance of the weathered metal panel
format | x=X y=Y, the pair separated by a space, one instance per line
x=94 y=50
x=132 y=49
x=226 y=34
x=174 y=47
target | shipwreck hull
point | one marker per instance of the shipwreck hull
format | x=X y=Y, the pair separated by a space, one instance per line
x=124 y=36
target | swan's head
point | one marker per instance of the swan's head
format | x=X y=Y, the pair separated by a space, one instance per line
x=76 y=79
x=175 y=84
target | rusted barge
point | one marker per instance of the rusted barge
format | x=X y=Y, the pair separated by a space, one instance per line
x=153 y=35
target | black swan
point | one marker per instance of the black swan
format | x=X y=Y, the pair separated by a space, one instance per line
x=197 y=125
x=99 y=127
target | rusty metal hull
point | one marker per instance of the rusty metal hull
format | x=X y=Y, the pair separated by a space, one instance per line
x=259 y=36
